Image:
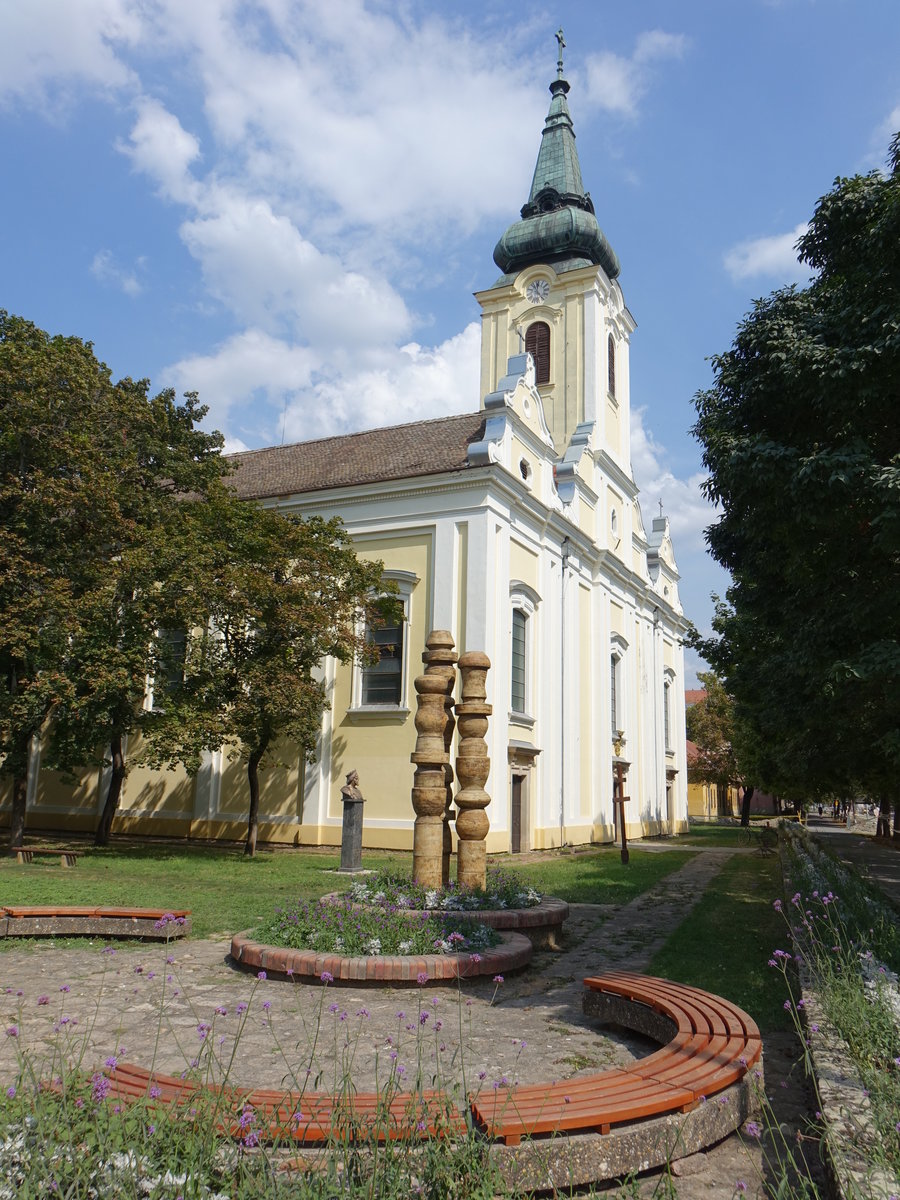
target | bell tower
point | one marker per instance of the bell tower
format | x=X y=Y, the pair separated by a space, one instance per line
x=557 y=296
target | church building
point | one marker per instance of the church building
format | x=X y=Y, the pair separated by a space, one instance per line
x=516 y=527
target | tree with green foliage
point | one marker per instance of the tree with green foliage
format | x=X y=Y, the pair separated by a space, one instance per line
x=802 y=444
x=711 y=727
x=281 y=594
x=92 y=532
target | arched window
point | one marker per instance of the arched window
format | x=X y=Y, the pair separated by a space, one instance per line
x=537 y=343
x=611 y=364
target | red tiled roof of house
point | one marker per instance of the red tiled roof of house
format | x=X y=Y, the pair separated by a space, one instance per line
x=692 y=752
x=376 y=455
x=694 y=696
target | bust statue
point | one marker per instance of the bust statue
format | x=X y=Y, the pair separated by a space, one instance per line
x=350 y=790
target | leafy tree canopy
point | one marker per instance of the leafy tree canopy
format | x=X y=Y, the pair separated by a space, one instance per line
x=802 y=445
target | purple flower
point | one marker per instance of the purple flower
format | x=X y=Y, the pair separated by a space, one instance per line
x=327 y=977
x=99 y=1087
x=12 y=1031
x=261 y=975
x=11 y=1091
x=43 y=999
x=422 y=978
x=753 y=1129
x=740 y=1186
x=112 y=1062
x=155 y=1092
x=65 y=988
x=498 y=979
x=476 y=958
x=241 y=1008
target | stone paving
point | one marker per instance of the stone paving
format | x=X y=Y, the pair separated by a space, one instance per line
x=169 y=1005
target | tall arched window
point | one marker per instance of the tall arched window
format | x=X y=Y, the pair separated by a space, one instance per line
x=537 y=343
x=611 y=364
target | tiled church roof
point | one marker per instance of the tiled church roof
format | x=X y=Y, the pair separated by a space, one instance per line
x=377 y=455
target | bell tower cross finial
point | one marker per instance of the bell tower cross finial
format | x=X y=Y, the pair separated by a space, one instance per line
x=559 y=61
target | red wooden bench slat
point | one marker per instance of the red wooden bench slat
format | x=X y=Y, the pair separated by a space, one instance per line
x=323 y=1115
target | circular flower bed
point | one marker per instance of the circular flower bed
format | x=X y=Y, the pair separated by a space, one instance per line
x=340 y=925
x=391 y=890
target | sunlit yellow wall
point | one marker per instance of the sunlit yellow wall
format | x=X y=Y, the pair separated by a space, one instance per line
x=381 y=746
x=523 y=564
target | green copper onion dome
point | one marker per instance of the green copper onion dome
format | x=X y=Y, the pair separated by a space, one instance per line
x=558 y=224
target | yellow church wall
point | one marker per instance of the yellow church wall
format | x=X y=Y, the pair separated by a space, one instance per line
x=382 y=743
x=616 y=619
x=523 y=564
x=53 y=791
x=280 y=786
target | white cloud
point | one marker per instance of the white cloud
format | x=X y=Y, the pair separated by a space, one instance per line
x=410 y=383
x=246 y=383
x=773 y=257
x=160 y=147
x=106 y=270
x=49 y=46
x=688 y=511
x=263 y=389
x=260 y=265
x=618 y=84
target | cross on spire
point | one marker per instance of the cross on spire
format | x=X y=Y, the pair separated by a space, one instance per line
x=559 y=61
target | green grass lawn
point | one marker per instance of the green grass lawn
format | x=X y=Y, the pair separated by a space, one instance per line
x=598 y=877
x=227 y=892
x=725 y=944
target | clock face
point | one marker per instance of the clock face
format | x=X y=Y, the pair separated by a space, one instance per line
x=538 y=291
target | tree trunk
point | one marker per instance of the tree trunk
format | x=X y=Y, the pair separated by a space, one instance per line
x=114 y=792
x=897 y=820
x=17 y=813
x=253 y=780
x=745 y=805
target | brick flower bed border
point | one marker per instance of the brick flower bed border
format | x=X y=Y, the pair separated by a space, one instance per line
x=541 y=923
x=307 y=966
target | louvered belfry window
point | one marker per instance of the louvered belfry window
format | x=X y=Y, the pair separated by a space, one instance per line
x=611 y=361
x=537 y=343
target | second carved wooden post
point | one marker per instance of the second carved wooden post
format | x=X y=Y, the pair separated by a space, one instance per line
x=472 y=769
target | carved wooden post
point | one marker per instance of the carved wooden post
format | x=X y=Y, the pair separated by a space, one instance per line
x=472 y=769
x=432 y=758
x=440 y=657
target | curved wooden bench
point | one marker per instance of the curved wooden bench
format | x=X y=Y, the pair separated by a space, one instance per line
x=712 y=1045
x=91 y=920
x=309 y=1118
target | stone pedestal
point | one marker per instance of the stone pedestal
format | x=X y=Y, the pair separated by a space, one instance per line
x=432 y=761
x=472 y=769
x=351 y=835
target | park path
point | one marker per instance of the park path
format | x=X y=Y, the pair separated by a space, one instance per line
x=159 y=1005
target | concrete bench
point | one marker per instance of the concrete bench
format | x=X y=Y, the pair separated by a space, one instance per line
x=710 y=1044
x=90 y=920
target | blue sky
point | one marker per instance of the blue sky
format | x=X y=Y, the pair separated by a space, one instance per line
x=286 y=206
